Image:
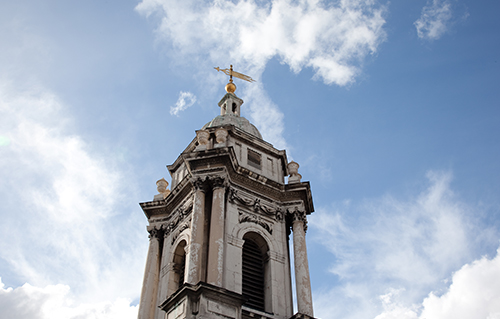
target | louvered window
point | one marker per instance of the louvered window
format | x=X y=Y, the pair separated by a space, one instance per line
x=253 y=275
x=182 y=268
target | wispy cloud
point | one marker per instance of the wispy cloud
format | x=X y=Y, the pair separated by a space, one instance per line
x=65 y=203
x=331 y=39
x=391 y=247
x=186 y=99
x=434 y=20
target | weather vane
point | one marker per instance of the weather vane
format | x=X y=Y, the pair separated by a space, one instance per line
x=231 y=87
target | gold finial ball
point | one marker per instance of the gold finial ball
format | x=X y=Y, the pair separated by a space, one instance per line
x=230 y=87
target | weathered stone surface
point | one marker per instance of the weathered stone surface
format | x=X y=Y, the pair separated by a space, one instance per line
x=228 y=187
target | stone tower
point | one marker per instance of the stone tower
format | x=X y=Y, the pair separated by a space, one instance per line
x=219 y=240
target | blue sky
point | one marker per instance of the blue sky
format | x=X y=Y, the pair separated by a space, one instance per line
x=390 y=108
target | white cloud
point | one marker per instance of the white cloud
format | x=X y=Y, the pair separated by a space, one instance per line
x=186 y=99
x=331 y=38
x=474 y=293
x=434 y=20
x=387 y=245
x=63 y=219
x=55 y=302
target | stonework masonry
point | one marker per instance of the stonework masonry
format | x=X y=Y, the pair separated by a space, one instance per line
x=219 y=239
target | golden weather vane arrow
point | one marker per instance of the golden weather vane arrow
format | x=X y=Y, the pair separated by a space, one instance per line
x=231 y=87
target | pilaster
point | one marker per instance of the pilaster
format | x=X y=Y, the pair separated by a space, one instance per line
x=302 y=279
x=194 y=264
x=151 y=274
x=216 y=240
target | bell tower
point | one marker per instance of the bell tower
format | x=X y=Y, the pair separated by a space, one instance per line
x=219 y=239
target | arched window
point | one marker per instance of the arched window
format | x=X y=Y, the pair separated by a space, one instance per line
x=254 y=271
x=179 y=262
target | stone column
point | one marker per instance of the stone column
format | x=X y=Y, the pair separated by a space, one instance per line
x=165 y=272
x=302 y=280
x=197 y=233
x=149 y=292
x=216 y=240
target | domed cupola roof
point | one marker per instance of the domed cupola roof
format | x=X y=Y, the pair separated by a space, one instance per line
x=233 y=119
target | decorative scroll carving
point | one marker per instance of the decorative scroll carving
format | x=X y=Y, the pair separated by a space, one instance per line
x=182 y=228
x=179 y=215
x=280 y=215
x=233 y=198
x=251 y=218
x=256 y=205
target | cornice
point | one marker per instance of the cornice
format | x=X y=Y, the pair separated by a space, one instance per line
x=222 y=160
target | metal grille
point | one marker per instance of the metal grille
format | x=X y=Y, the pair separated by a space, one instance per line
x=253 y=275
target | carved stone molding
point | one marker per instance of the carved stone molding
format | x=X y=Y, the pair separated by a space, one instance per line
x=276 y=256
x=235 y=241
x=206 y=182
x=154 y=233
x=180 y=229
x=218 y=182
x=178 y=216
x=299 y=216
x=251 y=218
x=280 y=215
x=256 y=206
x=200 y=184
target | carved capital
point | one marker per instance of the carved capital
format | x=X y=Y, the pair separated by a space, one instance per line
x=199 y=184
x=218 y=182
x=154 y=233
x=298 y=216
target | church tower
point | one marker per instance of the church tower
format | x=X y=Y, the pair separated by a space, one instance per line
x=219 y=240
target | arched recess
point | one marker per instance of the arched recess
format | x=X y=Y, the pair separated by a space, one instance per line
x=256 y=272
x=178 y=266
